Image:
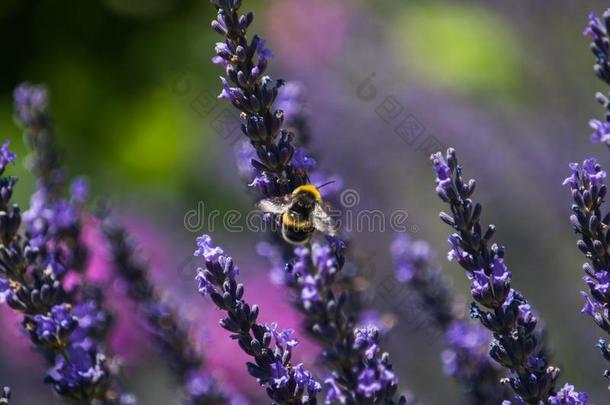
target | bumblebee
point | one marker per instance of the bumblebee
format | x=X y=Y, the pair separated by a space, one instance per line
x=301 y=214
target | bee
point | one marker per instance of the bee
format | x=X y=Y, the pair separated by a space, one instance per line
x=301 y=214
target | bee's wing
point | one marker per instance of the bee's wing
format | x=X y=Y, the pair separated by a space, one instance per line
x=323 y=222
x=275 y=205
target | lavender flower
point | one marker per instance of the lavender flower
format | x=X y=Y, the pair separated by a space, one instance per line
x=568 y=396
x=32 y=286
x=601 y=130
x=168 y=329
x=6 y=156
x=376 y=379
x=598 y=31
x=286 y=383
x=52 y=331
x=31 y=112
x=53 y=227
x=311 y=276
x=600 y=46
x=590 y=224
x=53 y=220
x=79 y=370
x=254 y=94
x=465 y=357
x=501 y=309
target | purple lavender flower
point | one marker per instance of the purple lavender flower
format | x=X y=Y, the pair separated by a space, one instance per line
x=466 y=341
x=334 y=393
x=309 y=291
x=80 y=370
x=301 y=161
x=31 y=112
x=312 y=274
x=282 y=338
x=465 y=357
x=590 y=223
x=93 y=321
x=375 y=379
x=261 y=180
x=199 y=384
x=254 y=94
x=488 y=289
x=54 y=218
x=304 y=378
x=285 y=383
x=63 y=324
x=5 y=290
x=568 y=396
x=601 y=131
x=6 y=156
x=591 y=173
x=506 y=313
x=600 y=46
x=368 y=383
x=31 y=104
x=79 y=190
x=53 y=330
x=33 y=279
x=366 y=339
x=205 y=248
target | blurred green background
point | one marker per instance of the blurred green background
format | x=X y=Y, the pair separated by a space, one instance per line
x=509 y=84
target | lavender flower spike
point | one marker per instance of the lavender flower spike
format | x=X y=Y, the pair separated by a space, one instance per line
x=590 y=223
x=600 y=46
x=168 y=329
x=465 y=357
x=369 y=376
x=56 y=322
x=500 y=308
x=53 y=225
x=54 y=215
x=31 y=113
x=253 y=94
x=285 y=383
x=53 y=221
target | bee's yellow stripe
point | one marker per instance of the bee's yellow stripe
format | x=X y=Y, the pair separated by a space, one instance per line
x=288 y=220
x=308 y=188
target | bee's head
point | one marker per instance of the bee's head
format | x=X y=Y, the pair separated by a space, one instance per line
x=307 y=195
